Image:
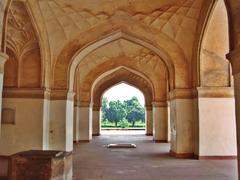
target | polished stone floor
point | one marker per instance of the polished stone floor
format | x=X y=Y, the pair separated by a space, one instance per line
x=149 y=161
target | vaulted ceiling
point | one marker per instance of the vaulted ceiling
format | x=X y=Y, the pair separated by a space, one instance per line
x=60 y=29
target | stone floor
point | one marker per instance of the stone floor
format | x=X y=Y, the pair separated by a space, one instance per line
x=149 y=161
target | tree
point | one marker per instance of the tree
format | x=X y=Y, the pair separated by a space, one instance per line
x=104 y=108
x=135 y=111
x=116 y=112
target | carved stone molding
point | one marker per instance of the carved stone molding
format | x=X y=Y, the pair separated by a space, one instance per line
x=181 y=94
x=148 y=107
x=215 y=92
x=96 y=108
x=32 y=93
x=60 y=94
x=83 y=104
x=159 y=104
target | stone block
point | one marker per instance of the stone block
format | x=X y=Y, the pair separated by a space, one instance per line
x=41 y=165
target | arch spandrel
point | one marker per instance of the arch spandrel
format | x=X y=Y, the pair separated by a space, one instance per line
x=214 y=67
x=200 y=50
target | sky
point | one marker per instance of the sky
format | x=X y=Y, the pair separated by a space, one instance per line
x=124 y=92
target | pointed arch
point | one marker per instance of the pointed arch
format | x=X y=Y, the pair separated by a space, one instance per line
x=110 y=38
x=175 y=62
x=119 y=75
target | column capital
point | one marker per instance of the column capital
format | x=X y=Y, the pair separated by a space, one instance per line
x=3 y=59
x=84 y=104
x=215 y=92
x=148 y=107
x=96 y=107
x=159 y=104
x=234 y=58
x=59 y=94
x=33 y=93
x=181 y=94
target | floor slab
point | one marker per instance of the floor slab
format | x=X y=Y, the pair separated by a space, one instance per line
x=149 y=161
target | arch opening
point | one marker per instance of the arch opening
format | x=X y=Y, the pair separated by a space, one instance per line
x=122 y=109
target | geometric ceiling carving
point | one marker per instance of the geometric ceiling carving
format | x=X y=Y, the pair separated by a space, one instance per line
x=66 y=19
x=137 y=55
x=125 y=54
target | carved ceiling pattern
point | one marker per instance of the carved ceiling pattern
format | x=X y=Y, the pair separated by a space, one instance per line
x=138 y=55
x=126 y=54
x=65 y=19
x=20 y=32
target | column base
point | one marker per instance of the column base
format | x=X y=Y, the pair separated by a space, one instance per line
x=81 y=141
x=4 y=164
x=161 y=141
x=214 y=157
x=149 y=134
x=182 y=155
x=98 y=134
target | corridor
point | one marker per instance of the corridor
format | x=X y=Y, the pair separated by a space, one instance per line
x=149 y=161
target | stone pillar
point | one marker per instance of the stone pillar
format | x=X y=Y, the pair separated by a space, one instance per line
x=46 y=120
x=61 y=120
x=181 y=122
x=234 y=58
x=75 y=125
x=149 y=120
x=96 y=118
x=169 y=125
x=214 y=123
x=85 y=121
x=160 y=122
x=237 y=108
x=3 y=59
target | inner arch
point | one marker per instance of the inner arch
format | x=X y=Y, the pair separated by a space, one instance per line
x=129 y=98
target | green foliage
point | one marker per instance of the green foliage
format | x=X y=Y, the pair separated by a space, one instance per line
x=122 y=114
x=104 y=108
x=116 y=112
x=124 y=123
x=134 y=110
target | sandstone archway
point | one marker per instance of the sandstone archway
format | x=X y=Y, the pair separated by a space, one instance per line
x=121 y=75
x=71 y=33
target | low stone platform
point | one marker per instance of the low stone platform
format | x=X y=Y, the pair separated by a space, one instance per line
x=40 y=165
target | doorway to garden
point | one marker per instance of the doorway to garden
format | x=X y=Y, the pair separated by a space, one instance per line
x=123 y=110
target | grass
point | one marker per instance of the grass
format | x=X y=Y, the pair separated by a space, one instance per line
x=108 y=124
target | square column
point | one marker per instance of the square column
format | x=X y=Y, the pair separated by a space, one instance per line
x=237 y=110
x=160 y=122
x=61 y=121
x=96 y=118
x=85 y=121
x=75 y=124
x=181 y=117
x=214 y=123
x=149 y=120
x=234 y=58
x=169 y=125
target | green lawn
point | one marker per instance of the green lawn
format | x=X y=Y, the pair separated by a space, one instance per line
x=123 y=124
